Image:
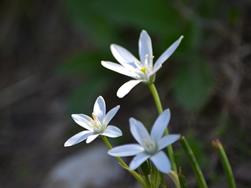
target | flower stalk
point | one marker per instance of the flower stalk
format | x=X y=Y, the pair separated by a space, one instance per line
x=122 y=163
x=193 y=161
x=159 y=107
x=225 y=163
x=155 y=95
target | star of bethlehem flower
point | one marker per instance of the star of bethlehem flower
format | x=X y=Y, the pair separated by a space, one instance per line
x=95 y=125
x=149 y=145
x=142 y=70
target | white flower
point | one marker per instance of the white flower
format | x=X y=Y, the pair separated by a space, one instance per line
x=150 y=145
x=97 y=125
x=141 y=70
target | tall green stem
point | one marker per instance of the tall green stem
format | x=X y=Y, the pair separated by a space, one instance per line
x=225 y=163
x=159 y=107
x=195 y=165
x=122 y=163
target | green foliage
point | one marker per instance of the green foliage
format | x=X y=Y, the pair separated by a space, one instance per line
x=82 y=95
x=85 y=66
x=110 y=21
x=84 y=63
x=103 y=19
x=193 y=84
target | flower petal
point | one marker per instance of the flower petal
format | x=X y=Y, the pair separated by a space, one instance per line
x=161 y=161
x=166 y=54
x=167 y=140
x=112 y=131
x=138 y=160
x=77 y=138
x=126 y=150
x=160 y=124
x=145 y=46
x=127 y=87
x=108 y=117
x=83 y=120
x=91 y=138
x=124 y=57
x=118 y=68
x=99 y=108
x=139 y=131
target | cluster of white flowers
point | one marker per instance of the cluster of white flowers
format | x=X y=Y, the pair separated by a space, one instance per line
x=149 y=146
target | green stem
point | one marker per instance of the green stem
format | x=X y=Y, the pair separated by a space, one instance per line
x=195 y=165
x=182 y=179
x=158 y=104
x=225 y=162
x=122 y=163
x=145 y=175
x=155 y=95
x=156 y=177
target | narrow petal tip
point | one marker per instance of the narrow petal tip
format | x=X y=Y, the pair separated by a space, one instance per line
x=103 y=62
x=109 y=152
x=119 y=95
x=181 y=37
x=167 y=110
x=178 y=136
x=73 y=115
x=113 y=46
x=66 y=144
x=143 y=31
x=127 y=87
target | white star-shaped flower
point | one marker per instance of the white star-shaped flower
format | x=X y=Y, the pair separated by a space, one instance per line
x=141 y=70
x=97 y=125
x=150 y=145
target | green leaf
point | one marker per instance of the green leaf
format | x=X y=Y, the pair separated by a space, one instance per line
x=193 y=84
x=82 y=63
x=102 y=20
x=83 y=97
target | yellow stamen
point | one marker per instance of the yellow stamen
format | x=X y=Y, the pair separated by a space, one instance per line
x=143 y=69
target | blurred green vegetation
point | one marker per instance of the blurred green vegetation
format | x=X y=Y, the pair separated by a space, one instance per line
x=110 y=21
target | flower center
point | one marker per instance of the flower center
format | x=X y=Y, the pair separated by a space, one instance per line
x=150 y=146
x=143 y=69
x=98 y=127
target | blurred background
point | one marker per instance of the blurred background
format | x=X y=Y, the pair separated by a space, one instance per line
x=50 y=53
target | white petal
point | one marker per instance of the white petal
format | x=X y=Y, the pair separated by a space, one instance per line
x=124 y=57
x=83 y=120
x=99 y=108
x=167 y=140
x=139 y=131
x=166 y=54
x=110 y=115
x=77 y=138
x=145 y=46
x=91 y=138
x=127 y=87
x=118 y=68
x=161 y=161
x=112 y=131
x=138 y=160
x=160 y=124
x=126 y=150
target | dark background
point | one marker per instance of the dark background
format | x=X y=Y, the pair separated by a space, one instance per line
x=50 y=53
